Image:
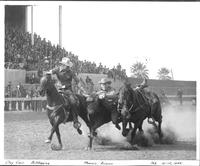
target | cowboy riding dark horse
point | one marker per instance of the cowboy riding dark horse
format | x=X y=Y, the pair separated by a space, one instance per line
x=136 y=105
x=59 y=108
x=65 y=75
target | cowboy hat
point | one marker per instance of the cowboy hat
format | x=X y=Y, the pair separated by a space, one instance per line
x=104 y=81
x=66 y=61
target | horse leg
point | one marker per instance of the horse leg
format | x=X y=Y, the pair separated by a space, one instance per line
x=52 y=132
x=91 y=137
x=159 y=131
x=115 y=119
x=76 y=124
x=93 y=133
x=125 y=130
x=51 y=135
x=156 y=114
x=133 y=133
x=140 y=127
x=58 y=136
x=130 y=126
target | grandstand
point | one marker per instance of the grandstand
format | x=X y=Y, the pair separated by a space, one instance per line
x=25 y=61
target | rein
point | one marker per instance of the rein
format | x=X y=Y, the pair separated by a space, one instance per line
x=130 y=108
x=119 y=109
x=55 y=108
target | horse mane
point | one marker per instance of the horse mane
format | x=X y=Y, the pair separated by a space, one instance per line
x=134 y=95
x=48 y=81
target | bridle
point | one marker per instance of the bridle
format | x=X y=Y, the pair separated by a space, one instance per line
x=120 y=109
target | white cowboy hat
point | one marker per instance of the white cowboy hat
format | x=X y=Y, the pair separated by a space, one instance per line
x=104 y=81
x=66 y=61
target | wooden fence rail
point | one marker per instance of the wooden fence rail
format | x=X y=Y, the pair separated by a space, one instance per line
x=39 y=103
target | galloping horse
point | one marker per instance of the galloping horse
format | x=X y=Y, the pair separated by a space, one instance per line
x=137 y=105
x=101 y=111
x=56 y=104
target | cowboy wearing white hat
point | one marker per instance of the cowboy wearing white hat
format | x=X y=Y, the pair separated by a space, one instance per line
x=105 y=89
x=66 y=62
x=110 y=95
x=65 y=75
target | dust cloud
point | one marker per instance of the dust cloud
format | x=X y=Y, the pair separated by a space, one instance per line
x=179 y=124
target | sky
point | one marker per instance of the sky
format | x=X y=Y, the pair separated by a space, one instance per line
x=157 y=34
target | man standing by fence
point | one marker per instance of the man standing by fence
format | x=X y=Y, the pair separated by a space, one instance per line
x=180 y=95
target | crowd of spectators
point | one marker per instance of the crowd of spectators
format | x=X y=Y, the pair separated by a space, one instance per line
x=20 y=91
x=20 y=53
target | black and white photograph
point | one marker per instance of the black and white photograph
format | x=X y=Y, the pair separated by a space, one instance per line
x=100 y=83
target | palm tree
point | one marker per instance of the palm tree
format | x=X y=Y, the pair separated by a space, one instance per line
x=163 y=74
x=139 y=70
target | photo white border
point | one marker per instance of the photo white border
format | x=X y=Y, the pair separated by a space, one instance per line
x=83 y=162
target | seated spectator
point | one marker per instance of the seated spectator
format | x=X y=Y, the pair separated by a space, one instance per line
x=21 y=54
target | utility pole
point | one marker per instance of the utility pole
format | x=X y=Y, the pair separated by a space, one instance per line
x=32 y=33
x=60 y=26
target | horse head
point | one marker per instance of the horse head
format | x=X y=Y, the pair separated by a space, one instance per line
x=93 y=103
x=126 y=98
x=46 y=84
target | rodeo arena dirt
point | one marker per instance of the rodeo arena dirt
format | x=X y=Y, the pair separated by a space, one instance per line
x=25 y=132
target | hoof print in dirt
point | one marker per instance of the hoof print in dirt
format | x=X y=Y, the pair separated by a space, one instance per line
x=56 y=147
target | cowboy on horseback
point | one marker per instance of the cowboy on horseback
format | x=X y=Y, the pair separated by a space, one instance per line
x=65 y=75
x=109 y=93
x=147 y=97
x=106 y=90
x=139 y=88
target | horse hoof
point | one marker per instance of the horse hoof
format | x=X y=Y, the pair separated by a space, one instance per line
x=118 y=127
x=47 y=141
x=55 y=147
x=79 y=131
x=124 y=134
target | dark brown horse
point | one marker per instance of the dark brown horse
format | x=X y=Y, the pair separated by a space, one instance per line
x=56 y=104
x=100 y=112
x=137 y=105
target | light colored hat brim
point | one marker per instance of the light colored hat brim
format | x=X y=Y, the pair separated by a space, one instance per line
x=106 y=82
x=67 y=64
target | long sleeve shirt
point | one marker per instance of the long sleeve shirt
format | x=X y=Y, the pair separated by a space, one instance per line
x=110 y=93
x=65 y=76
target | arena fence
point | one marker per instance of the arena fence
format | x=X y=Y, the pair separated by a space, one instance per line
x=39 y=103
x=22 y=104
